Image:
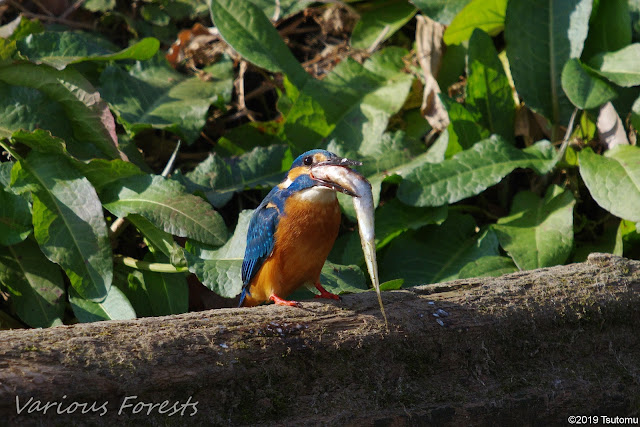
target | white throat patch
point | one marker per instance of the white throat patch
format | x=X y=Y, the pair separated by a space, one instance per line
x=316 y=195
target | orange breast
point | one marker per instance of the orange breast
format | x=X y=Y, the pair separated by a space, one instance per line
x=304 y=237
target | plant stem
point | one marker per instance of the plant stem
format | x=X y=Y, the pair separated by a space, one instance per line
x=149 y=266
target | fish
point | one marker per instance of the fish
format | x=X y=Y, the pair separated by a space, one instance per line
x=350 y=182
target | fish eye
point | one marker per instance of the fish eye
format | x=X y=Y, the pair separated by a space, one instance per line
x=307 y=160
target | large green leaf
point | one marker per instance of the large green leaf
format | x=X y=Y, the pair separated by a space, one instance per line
x=442 y=11
x=468 y=173
x=465 y=128
x=378 y=16
x=34 y=284
x=15 y=218
x=538 y=232
x=115 y=306
x=488 y=89
x=221 y=270
x=220 y=178
x=88 y=114
x=152 y=95
x=351 y=106
x=167 y=205
x=362 y=127
x=609 y=27
x=68 y=221
x=59 y=49
x=583 y=88
x=437 y=253
x=488 y=266
x=245 y=27
x=168 y=293
x=335 y=278
x=621 y=67
x=614 y=179
x=391 y=220
x=487 y=15
x=541 y=36
x=29 y=109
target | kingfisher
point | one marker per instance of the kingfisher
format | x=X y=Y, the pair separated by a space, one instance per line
x=291 y=233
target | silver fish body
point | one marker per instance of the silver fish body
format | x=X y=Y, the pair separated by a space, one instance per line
x=357 y=186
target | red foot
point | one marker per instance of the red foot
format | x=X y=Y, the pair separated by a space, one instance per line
x=325 y=293
x=277 y=300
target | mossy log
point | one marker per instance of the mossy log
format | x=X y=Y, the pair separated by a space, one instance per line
x=533 y=347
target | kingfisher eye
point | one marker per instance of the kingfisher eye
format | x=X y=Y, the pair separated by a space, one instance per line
x=307 y=160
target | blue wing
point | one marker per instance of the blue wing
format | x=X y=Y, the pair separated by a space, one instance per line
x=260 y=238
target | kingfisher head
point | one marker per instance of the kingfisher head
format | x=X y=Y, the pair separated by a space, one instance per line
x=300 y=177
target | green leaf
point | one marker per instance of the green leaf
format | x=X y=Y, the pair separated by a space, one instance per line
x=341 y=279
x=378 y=16
x=352 y=105
x=392 y=285
x=391 y=220
x=541 y=36
x=609 y=27
x=614 y=179
x=25 y=109
x=15 y=218
x=488 y=266
x=218 y=179
x=59 y=49
x=538 y=232
x=34 y=284
x=283 y=8
x=437 y=253
x=102 y=172
x=583 y=87
x=442 y=11
x=99 y=5
x=166 y=204
x=221 y=270
x=621 y=67
x=153 y=95
x=488 y=88
x=68 y=222
x=487 y=15
x=134 y=290
x=168 y=293
x=158 y=240
x=247 y=30
x=466 y=174
x=610 y=241
x=88 y=114
x=363 y=125
x=464 y=128
x=115 y=306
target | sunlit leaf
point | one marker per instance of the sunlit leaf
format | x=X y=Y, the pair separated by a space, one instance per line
x=488 y=15
x=538 y=232
x=68 y=221
x=614 y=179
x=115 y=306
x=541 y=36
x=167 y=205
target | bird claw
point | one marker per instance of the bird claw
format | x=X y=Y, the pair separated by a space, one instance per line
x=326 y=294
x=280 y=301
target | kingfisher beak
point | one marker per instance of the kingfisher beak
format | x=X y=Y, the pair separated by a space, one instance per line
x=333 y=162
x=339 y=161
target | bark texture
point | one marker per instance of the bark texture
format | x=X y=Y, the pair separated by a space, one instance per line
x=527 y=348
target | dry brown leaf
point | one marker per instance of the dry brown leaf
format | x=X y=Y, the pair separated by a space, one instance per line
x=610 y=127
x=430 y=47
